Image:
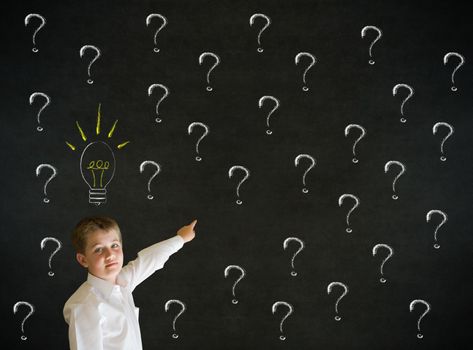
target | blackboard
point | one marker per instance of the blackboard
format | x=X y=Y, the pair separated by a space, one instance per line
x=423 y=48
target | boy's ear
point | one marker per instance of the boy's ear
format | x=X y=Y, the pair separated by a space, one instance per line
x=82 y=260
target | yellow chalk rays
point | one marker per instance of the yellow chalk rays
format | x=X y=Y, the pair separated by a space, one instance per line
x=97 y=131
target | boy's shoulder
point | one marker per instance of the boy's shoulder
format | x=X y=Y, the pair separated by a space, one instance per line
x=83 y=304
x=82 y=295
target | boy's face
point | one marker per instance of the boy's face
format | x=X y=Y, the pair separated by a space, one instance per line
x=103 y=255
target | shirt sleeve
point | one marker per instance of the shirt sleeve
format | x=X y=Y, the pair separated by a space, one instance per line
x=149 y=260
x=85 y=331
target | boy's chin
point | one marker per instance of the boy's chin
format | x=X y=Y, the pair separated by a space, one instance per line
x=110 y=273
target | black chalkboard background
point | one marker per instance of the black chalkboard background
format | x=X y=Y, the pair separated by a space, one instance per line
x=343 y=89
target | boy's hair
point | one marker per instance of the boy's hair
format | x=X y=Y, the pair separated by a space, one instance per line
x=91 y=224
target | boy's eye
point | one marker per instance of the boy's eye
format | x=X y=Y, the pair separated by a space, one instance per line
x=115 y=245
x=98 y=250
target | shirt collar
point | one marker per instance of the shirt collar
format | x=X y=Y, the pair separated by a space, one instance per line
x=102 y=286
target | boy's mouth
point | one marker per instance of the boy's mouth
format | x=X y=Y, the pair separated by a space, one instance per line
x=112 y=264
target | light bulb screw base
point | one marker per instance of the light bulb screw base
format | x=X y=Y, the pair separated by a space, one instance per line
x=97 y=196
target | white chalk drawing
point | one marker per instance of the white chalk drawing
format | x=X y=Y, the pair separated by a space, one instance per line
x=380 y=34
x=217 y=62
x=163 y=24
x=411 y=308
x=53 y=175
x=301 y=246
x=43 y=23
x=341 y=199
x=391 y=252
x=190 y=128
x=59 y=246
x=242 y=275
x=444 y=220
x=166 y=93
x=247 y=175
x=97 y=167
x=289 y=312
x=15 y=310
x=276 y=106
x=387 y=166
x=411 y=93
x=312 y=161
x=46 y=103
x=451 y=130
x=329 y=290
x=363 y=133
x=314 y=61
x=97 y=55
x=183 y=308
x=268 y=22
x=157 y=171
x=462 y=61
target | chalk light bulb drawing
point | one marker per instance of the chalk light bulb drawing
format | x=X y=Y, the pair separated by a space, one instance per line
x=97 y=167
x=97 y=163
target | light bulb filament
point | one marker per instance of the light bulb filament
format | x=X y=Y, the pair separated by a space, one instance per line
x=98 y=165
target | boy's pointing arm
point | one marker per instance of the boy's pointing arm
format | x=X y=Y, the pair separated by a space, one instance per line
x=153 y=258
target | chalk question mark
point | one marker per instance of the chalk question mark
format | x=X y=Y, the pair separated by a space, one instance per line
x=242 y=274
x=15 y=309
x=329 y=290
x=302 y=246
x=289 y=311
x=148 y=21
x=375 y=251
x=46 y=103
x=357 y=203
x=450 y=132
x=166 y=93
x=38 y=171
x=444 y=220
x=462 y=61
x=268 y=22
x=217 y=62
x=363 y=33
x=296 y=163
x=387 y=166
x=157 y=171
x=247 y=175
x=276 y=106
x=183 y=308
x=97 y=55
x=190 y=128
x=411 y=92
x=411 y=308
x=348 y=128
x=314 y=61
x=59 y=245
x=43 y=23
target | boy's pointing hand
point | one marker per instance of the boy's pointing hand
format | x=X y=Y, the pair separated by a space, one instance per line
x=187 y=232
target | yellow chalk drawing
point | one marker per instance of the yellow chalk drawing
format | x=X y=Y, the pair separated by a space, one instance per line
x=113 y=129
x=71 y=146
x=120 y=146
x=98 y=165
x=81 y=131
x=97 y=173
x=97 y=130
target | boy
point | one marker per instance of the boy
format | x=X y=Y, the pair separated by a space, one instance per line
x=101 y=314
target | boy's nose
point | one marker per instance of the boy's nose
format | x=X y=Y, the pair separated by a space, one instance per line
x=109 y=255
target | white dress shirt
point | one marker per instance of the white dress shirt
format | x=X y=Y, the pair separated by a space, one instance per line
x=102 y=315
